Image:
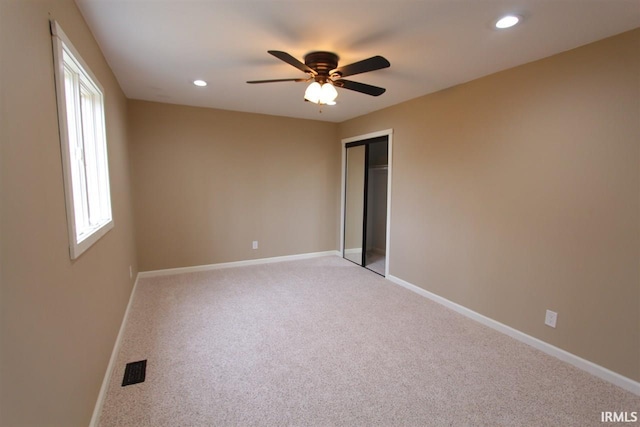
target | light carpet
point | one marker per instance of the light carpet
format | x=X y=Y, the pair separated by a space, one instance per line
x=323 y=342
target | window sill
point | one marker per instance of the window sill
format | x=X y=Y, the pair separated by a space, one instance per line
x=79 y=248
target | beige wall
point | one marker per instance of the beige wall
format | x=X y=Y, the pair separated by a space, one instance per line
x=59 y=319
x=519 y=192
x=209 y=182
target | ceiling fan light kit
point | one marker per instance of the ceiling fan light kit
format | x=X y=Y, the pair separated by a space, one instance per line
x=325 y=75
x=324 y=94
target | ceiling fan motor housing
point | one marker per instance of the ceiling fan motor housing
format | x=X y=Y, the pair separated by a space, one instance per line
x=323 y=63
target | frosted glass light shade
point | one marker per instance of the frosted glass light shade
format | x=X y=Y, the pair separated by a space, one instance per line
x=321 y=94
x=313 y=92
x=329 y=93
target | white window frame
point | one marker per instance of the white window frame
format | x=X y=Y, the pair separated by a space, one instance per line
x=87 y=195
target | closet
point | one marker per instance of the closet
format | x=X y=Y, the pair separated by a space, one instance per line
x=365 y=213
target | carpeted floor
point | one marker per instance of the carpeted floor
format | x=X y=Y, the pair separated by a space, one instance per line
x=323 y=342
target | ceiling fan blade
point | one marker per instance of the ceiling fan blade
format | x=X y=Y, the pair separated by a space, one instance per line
x=360 y=87
x=277 y=80
x=284 y=56
x=366 y=65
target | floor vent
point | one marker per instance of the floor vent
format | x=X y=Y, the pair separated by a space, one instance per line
x=134 y=373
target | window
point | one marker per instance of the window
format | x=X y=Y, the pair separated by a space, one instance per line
x=83 y=145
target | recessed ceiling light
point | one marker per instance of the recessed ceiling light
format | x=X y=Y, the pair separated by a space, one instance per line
x=200 y=83
x=507 y=21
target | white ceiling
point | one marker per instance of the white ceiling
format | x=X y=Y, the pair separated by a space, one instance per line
x=156 y=48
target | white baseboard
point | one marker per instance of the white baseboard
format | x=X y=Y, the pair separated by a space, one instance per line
x=597 y=370
x=97 y=410
x=171 y=271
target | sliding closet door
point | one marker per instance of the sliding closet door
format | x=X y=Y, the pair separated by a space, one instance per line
x=354 y=203
x=365 y=215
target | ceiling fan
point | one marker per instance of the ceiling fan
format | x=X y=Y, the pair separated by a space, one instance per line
x=323 y=71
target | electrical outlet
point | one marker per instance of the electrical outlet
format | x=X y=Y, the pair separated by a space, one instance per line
x=255 y=244
x=551 y=318
x=130 y=272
